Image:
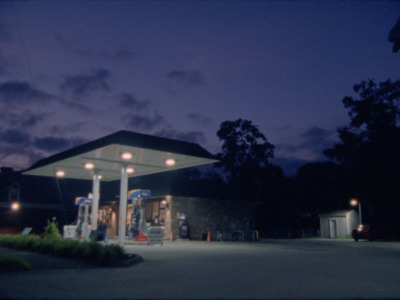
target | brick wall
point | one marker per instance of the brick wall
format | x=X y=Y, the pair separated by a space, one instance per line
x=203 y=215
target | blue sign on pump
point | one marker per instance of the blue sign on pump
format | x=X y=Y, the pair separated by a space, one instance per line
x=139 y=194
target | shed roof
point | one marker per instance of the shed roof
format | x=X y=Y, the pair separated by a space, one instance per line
x=339 y=213
x=149 y=156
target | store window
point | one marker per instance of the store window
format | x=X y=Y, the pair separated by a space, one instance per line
x=155 y=212
x=14 y=192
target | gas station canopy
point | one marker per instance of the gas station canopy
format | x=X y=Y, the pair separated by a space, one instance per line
x=140 y=154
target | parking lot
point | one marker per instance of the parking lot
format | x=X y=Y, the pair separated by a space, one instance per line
x=303 y=268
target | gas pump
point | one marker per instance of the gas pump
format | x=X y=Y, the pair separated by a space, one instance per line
x=82 y=228
x=137 y=228
x=183 y=226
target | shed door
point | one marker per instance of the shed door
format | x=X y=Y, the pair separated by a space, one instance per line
x=333 y=228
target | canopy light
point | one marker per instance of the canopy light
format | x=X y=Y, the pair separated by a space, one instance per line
x=126 y=156
x=60 y=173
x=170 y=162
x=130 y=170
x=89 y=166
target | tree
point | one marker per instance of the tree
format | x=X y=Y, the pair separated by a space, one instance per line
x=245 y=150
x=370 y=147
x=194 y=183
x=394 y=36
x=320 y=188
x=253 y=182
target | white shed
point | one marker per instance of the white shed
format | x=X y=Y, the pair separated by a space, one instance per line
x=338 y=224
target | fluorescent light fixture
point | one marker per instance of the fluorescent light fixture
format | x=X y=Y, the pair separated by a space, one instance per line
x=60 y=173
x=89 y=166
x=126 y=155
x=170 y=162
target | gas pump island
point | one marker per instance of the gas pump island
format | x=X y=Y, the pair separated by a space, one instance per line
x=137 y=230
x=82 y=225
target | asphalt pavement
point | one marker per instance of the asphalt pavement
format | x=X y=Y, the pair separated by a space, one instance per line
x=304 y=268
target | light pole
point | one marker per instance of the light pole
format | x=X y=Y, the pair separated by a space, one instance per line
x=15 y=206
x=354 y=202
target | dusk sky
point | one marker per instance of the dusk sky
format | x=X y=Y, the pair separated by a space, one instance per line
x=74 y=71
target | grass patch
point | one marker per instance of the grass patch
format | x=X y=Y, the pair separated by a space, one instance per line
x=13 y=263
x=92 y=252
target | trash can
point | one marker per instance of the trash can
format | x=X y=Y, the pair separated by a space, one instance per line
x=98 y=234
x=101 y=232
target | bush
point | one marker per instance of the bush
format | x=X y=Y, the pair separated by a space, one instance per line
x=51 y=230
x=86 y=251
x=12 y=263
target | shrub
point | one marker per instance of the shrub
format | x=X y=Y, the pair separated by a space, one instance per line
x=12 y=263
x=87 y=251
x=51 y=230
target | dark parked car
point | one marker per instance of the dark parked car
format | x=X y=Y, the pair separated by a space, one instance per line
x=369 y=232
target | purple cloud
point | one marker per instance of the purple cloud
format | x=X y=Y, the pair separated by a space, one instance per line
x=82 y=85
x=187 y=78
x=129 y=101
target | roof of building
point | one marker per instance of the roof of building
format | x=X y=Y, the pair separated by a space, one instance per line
x=149 y=156
x=339 y=213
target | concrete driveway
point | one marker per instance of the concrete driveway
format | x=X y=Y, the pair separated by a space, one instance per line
x=315 y=268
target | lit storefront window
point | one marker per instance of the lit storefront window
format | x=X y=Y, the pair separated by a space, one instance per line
x=156 y=212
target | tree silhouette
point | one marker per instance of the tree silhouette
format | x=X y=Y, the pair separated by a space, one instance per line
x=370 y=148
x=245 y=150
x=253 y=182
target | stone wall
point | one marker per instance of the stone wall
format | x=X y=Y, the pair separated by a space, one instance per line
x=203 y=215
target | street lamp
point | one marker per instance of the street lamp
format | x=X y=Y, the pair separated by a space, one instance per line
x=354 y=202
x=15 y=206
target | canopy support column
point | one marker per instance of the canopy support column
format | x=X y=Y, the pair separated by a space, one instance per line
x=123 y=200
x=96 y=198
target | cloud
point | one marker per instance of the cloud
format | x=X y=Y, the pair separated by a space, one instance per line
x=142 y=122
x=5 y=36
x=5 y=33
x=14 y=137
x=4 y=65
x=52 y=143
x=82 y=85
x=317 y=138
x=76 y=106
x=314 y=141
x=18 y=92
x=290 y=165
x=120 y=55
x=187 y=78
x=129 y=101
x=64 y=130
x=191 y=136
x=197 y=118
x=23 y=119
x=20 y=149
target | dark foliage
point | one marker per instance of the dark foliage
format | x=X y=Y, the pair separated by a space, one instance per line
x=370 y=149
